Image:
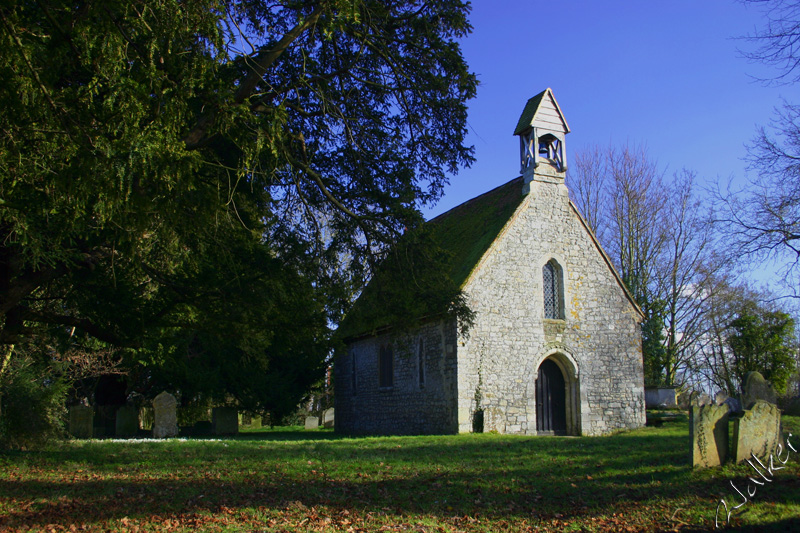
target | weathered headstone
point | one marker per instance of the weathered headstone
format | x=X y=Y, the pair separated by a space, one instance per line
x=81 y=421
x=127 y=422
x=165 y=410
x=225 y=421
x=757 y=432
x=757 y=388
x=328 y=418
x=708 y=428
x=312 y=422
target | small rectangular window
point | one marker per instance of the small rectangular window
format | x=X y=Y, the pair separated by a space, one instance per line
x=353 y=372
x=385 y=367
x=421 y=363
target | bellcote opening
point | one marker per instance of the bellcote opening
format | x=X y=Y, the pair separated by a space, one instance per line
x=541 y=130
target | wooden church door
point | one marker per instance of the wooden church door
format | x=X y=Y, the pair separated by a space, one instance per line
x=551 y=405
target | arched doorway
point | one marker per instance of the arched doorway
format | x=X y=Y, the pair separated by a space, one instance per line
x=551 y=400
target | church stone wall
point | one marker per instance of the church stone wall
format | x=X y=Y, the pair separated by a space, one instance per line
x=407 y=407
x=599 y=341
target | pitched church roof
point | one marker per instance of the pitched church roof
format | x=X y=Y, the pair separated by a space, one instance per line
x=544 y=102
x=469 y=229
x=465 y=232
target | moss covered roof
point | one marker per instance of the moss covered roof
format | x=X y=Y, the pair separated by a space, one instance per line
x=528 y=113
x=469 y=229
x=463 y=234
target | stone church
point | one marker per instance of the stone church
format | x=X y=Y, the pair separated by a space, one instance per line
x=555 y=348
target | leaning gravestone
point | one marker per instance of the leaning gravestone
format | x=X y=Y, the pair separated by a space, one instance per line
x=757 y=432
x=708 y=428
x=327 y=418
x=127 y=422
x=757 y=388
x=225 y=421
x=312 y=422
x=81 y=421
x=166 y=416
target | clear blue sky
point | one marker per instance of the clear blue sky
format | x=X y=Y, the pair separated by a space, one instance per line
x=661 y=73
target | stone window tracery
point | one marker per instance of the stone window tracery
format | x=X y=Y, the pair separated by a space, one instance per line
x=553 y=285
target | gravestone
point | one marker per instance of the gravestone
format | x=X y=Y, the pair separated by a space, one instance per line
x=757 y=432
x=225 y=420
x=708 y=428
x=127 y=422
x=757 y=388
x=165 y=422
x=81 y=421
x=312 y=422
x=328 y=418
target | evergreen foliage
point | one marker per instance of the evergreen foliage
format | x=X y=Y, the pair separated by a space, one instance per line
x=763 y=340
x=208 y=183
x=31 y=404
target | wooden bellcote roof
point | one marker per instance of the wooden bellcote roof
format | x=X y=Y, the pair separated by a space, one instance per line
x=542 y=111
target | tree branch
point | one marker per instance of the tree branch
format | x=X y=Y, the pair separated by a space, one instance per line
x=198 y=137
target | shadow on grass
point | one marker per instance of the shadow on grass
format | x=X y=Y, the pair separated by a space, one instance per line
x=491 y=476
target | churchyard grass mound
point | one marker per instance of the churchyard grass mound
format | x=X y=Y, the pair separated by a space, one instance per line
x=296 y=480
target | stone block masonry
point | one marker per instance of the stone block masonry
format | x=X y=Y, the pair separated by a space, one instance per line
x=597 y=345
x=492 y=373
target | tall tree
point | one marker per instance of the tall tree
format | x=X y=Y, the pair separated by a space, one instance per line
x=659 y=237
x=778 y=40
x=139 y=139
x=763 y=220
x=620 y=193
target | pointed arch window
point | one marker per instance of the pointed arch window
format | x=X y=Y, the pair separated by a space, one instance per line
x=553 y=282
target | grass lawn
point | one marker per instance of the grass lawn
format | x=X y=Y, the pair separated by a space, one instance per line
x=292 y=480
